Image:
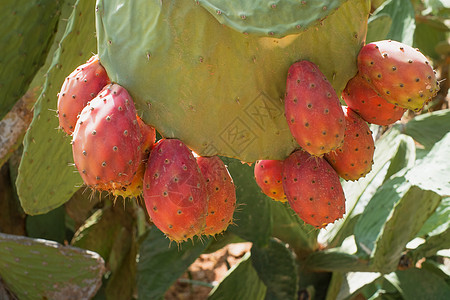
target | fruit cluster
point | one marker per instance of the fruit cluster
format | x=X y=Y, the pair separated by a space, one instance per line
x=187 y=195
x=115 y=151
x=336 y=141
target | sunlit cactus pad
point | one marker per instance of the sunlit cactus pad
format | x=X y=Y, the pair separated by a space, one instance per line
x=218 y=90
x=41 y=269
x=270 y=17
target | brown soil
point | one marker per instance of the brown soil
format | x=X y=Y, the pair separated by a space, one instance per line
x=207 y=271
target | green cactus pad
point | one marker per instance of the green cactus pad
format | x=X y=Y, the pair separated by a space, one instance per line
x=46 y=178
x=41 y=269
x=26 y=34
x=270 y=17
x=216 y=89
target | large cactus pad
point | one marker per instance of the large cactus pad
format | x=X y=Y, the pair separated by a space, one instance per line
x=217 y=89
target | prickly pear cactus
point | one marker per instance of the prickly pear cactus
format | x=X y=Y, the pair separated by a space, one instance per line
x=41 y=269
x=217 y=89
x=26 y=34
x=47 y=151
x=270 y=18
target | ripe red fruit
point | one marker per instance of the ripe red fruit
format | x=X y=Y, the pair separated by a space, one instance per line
x=268 y=176
x=134 y=189
x=221 y=192
x=398 y=72
x=313 y=111
x=80 y=87
x=313 y=189
x=106 y=140
x=361 y=98
x=175 y=190
x=354 y=158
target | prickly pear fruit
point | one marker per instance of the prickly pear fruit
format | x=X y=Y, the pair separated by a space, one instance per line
x=221 y=192
x=312 y=109
x=80 y=87
x=398 y=72
x=106 y=141
x=269 y=177
x=354 y=158
x=134 y=189
x=361 y=98
x=175 y=191
x=313 y=189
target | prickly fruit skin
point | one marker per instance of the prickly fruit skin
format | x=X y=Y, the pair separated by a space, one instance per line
x=80 y=87
x=175 y=191
x=106 y=141
x=354 y=158
x=221 y=192
x=269 y=177
x=361 y=98
x=312 y=109
x=398 y=72
x=313 y=189
x=134 y=189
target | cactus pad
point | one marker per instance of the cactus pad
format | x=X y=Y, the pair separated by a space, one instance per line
x=26 y=34
x=269 y=17
x=41 y=269
x=46 y=178
x=218 y=90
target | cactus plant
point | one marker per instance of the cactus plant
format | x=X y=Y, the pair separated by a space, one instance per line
x=213 y=75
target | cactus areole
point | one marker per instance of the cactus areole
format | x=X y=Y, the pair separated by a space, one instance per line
x=213 y=73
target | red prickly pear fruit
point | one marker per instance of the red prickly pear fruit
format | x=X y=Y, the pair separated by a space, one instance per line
x=269 y=177
x=313 y=110
x=148 y=137
x=80 y=87
x=134 y=189
x=354 y=158
x=361 y=98
x=398 y=72
x=175 y=191
x=313 y=189
x=106 y=141
x=221 y=192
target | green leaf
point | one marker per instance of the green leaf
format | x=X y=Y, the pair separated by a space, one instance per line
x=341 y=259
x=391 y=219
x=435 y=231
x=28 y=28
x=161 y=263
x=121 y=284
x=438 y=222
x=392 y=152
x=378 y=27
x=428 y=34
x=428 y=128
x=103 y=230
x=432 y=245
x=240 y=282
x=408 y=216
x=47 y=151
x=353 y=282
x=40 y=269
x=403 y=20
x=288 y=227
x=182 y=66
x=266 y=18
x=433 y=171
x=377 y=212
x=223 y=240
x=49 y=226
x=276 y=267
x=419 y=284
x=252 y=215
